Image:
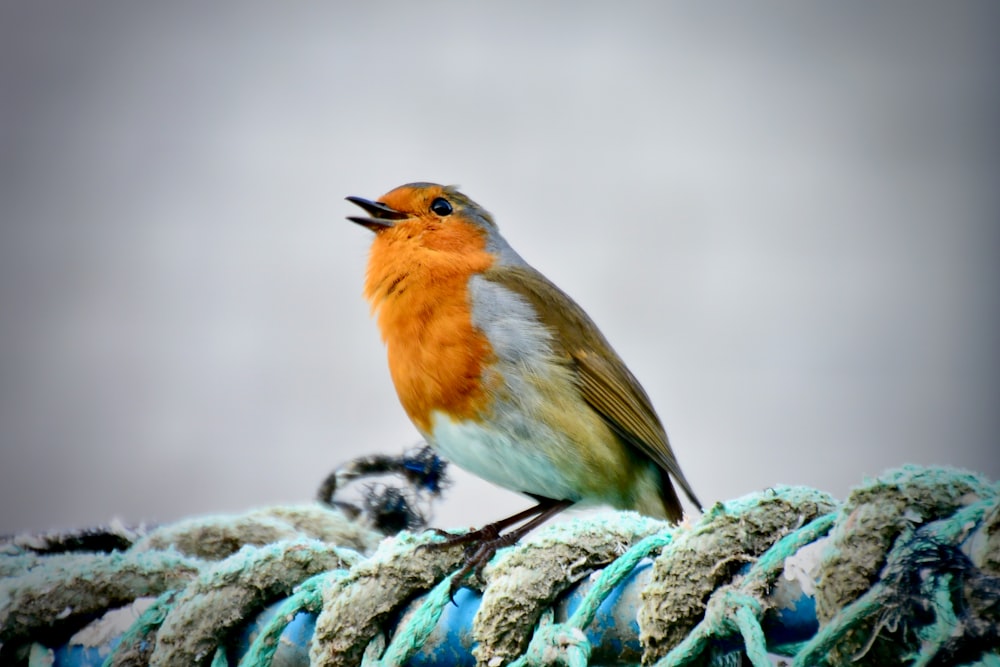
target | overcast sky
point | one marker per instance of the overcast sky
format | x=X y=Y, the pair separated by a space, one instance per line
x=785 y=218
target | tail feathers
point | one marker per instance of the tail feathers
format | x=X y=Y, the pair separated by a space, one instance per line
x=671 y=502
x=688 y=491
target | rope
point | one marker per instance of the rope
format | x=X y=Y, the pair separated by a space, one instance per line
x=73 y=585
x=525 y=580
x=740 y=606
x=553 y=639
x=308 y=596
x=712 y=555
x=217 y=537
x=889 y=600
x=224 y=594
x=415 y=632
x=905 y=571
x=134 y=647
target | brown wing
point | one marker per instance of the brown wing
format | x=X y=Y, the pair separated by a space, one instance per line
x=605 y=382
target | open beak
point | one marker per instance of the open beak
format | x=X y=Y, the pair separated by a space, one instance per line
x=382 y=217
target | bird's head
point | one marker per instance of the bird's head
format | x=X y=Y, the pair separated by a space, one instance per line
x=430 y=214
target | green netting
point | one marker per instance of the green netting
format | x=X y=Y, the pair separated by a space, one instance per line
x=909 y=573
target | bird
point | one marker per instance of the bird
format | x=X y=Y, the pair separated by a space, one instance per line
x=502 y=373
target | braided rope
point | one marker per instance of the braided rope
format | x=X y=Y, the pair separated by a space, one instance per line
x=907 y=570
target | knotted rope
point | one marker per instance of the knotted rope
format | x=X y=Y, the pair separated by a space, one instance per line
x=906 y=571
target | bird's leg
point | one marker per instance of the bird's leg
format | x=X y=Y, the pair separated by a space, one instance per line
x=491 y=531
x=484 y=542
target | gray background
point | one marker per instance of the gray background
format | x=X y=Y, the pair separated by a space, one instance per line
x=785 y=218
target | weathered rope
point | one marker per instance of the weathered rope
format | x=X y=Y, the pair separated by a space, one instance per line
x=739 y=606
x=886 y=604
x=84 y=585
x=524 y=581
x=730 y=537
x=873 y=525
x=45 y=598
x=554 y=638
x=356 y=605
x=308 y=596
x=234 y=588
x=906 y=571
x=138 y=640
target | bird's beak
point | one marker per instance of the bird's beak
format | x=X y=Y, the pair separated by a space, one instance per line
x=382 y=217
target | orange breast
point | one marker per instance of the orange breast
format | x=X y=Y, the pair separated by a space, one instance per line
x=417 y=281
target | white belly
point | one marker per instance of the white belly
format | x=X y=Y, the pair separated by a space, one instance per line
x=497 y=457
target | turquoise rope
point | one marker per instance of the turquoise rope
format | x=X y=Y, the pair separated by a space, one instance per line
x=740 y=610
x=989 y=660
x=308 y=596
x=747 y=621
x=772 y=562
x=556 y=644
x=849 y=617
x=872 y=601
x=945 y=622
x=717 y=623
x=220 y=659
x=732 y=611
x=551 y=635
x=145 y=625
x=407 y=641
x=952 y=529
x=613 y=574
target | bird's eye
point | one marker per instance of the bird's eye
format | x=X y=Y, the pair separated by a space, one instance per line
x=441 y=207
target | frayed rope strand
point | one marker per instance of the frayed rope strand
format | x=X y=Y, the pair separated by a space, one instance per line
x=148 y=623
x=220 y=659
x=555 y=645
x=850 y=617
x=551 y=637
x=411 y=638
x=731 y=609
x=308 y=596
x=874 y=601
x=772 y=562
x=613 y=574
x=908 y=573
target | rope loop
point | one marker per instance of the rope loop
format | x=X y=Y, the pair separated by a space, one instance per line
x=906 y=570
x=556 y=645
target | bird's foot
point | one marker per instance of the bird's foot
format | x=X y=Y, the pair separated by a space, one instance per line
x=477 y=557
x=482 y=544
x=480 y=547
x=470 y=538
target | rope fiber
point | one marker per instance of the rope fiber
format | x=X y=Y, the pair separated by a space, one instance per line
x=905 y=571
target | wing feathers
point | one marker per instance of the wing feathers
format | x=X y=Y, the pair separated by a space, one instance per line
x=604 y=381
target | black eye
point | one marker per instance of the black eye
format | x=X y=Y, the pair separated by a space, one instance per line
x=441 y=206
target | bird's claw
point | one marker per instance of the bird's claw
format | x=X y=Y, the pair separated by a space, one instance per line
x=482 y=544
x=477 y=556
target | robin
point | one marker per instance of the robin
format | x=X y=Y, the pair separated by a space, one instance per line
x=502 y=372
